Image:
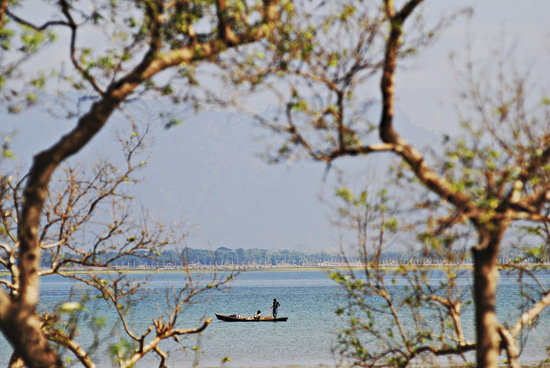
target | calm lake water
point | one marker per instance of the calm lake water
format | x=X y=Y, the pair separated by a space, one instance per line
x=308 y=298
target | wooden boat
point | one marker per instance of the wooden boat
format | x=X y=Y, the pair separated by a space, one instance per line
x=239 y=318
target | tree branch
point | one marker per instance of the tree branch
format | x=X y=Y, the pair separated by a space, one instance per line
x=65 y=8
x=528 y=316
x=459 y=349
x=162 y=333
x=34 y=26
x=64 y=340
x=454 y=310
x=24 y=329
x=3 y=11
x=408 y=8
x=388 y=135
x=224 y=29
x=510 y=344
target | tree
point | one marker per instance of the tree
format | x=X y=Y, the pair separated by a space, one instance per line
x=496 y=180
x=89 y=223
x=414 y=312
x=136 y=42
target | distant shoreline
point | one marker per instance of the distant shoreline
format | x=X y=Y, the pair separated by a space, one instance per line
x=249 y=269
x=328 y=268
x=232 y=268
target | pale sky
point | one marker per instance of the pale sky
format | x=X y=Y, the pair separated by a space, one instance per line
x=207 y=173
x=425 y=90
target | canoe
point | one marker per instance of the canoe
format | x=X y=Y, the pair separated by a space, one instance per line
x=239 y=318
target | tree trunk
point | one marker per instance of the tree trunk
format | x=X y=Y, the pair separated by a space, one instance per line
x=23 y=329
x=486 y=276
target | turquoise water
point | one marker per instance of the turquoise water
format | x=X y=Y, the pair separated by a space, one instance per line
x=308 y=298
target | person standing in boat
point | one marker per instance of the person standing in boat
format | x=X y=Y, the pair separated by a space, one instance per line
x=275 y=307
x=258 y=315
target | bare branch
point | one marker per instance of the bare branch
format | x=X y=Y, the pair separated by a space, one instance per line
x=33 y=26
x=52 y=245
x=511 y=346
x=5 y=247
x=162 y=332
x=454 y=311
x=408 y=8
x=531 y=314
x=59 y=337
x=460 y=349
x=65 y=8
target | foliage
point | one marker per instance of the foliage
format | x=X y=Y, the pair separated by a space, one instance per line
x=398 y=316
x=483 y=191
x=89 y=221
x=320 y=61
x=112 y=54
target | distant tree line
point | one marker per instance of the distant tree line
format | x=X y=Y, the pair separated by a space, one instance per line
x=240 y=256
x=220 y=256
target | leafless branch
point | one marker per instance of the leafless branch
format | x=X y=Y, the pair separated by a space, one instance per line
x=510 y=344
x=531 y=314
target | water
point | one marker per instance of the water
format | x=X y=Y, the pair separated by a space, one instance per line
x=308 y=298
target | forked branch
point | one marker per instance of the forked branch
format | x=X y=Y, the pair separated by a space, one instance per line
x=162 y=332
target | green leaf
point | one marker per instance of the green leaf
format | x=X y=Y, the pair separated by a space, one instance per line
x=100 y=322
x=70 y=306
x=391 y=224
x=172 y=123
x=345 y=194
x=7 y=153
x=334 y=59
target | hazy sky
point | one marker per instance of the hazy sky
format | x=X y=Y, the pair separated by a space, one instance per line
x=207 y=173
